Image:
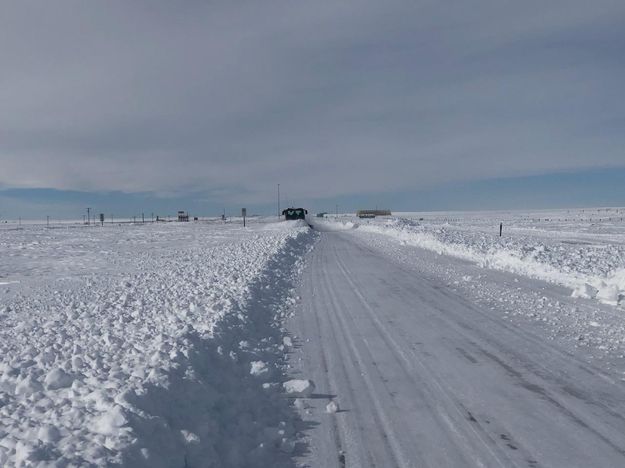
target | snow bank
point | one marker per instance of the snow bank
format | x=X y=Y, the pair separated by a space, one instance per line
x=163 y=357
x=591 y=269
x=321 y=224
x=284 y=225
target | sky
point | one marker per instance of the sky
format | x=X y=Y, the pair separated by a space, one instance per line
x=154 y=106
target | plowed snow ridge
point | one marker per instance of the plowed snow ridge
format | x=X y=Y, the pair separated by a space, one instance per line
x=591 y=269
x=141 y=345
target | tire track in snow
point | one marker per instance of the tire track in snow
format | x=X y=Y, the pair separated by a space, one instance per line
x=453 y=319
x=538 y=369
x=510 y=328
x=338 y=427
x=545 y=374
x=449 y=420
x=348 y=351
x=411 y=355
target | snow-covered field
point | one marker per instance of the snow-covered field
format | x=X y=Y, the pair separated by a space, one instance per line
x=583 y=250
x=146 y=345
x=164 y=344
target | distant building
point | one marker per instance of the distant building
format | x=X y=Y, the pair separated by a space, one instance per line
x=372 y=213
x=183 y=216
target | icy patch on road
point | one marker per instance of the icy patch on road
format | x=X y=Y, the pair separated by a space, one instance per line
x=590 y=270
x=152 y=367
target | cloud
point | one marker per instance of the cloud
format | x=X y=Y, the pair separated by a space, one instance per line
x=329 y=98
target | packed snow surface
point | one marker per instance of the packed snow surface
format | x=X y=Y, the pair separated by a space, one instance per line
x=583 y=250
x=146 y=345
x=436 y=361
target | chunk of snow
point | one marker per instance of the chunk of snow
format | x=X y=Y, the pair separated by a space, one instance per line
x=189 y=437
x=58 y=378
x=608 y=295
x=110 y=422
x=77 y=363
x=299 y=388
x=258 y=368
x=28 y=386
x=332 y=407
x=48 y=434
x=585 y=291
x=287 y=445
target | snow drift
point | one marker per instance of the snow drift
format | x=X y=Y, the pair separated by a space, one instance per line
x=592 y=270
x=153 y=360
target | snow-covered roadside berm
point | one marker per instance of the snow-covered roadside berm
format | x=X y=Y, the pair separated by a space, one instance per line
x=591 y=269
x=148 y=345
x=585 y=255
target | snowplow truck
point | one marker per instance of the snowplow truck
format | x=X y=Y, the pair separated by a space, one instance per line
x=294 y=213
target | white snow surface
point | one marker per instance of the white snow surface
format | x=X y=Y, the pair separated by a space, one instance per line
x=146 y=345
x=332 y=407
x=299 y=387
x=583 y=250
x=440 y=362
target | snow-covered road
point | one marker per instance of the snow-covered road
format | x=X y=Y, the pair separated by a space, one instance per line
x=425 y=375
x=191 y=344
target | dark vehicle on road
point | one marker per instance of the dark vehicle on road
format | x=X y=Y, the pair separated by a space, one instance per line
x=294 y=213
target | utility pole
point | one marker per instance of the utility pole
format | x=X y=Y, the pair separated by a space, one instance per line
x=48 y=221
x=142 y=218
x=337 y=210
x=152 y=217
x=88 y=216
x=278 y=201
